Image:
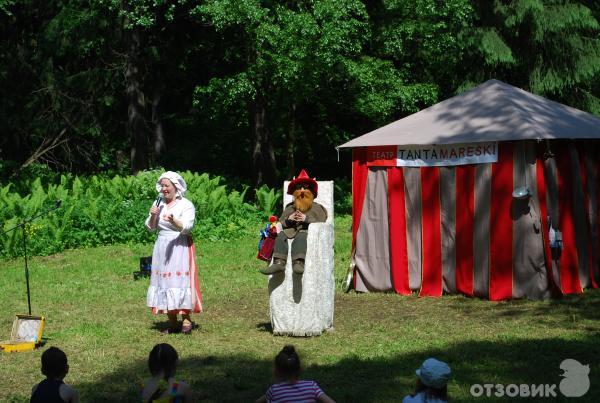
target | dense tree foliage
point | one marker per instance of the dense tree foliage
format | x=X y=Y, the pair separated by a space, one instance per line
x=255 y=89
x=550 y=47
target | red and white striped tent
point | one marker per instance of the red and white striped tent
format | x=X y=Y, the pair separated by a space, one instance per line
x=473 y=195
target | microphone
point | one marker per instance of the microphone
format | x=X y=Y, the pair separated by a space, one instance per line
x=158 y=200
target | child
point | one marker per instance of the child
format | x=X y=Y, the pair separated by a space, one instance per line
x=432 y=383
x=290 y=388
x=52 y=389
x=163 y=387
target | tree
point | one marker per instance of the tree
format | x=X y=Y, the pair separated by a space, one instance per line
x=152 y=32
x=425 y=39
x=77 y=75
x=548 y=47
x=290 y=64
x=54 y=85
x=276 y=56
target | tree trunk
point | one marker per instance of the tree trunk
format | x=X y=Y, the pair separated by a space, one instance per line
x=158 y=141
x=291 y=142
x=258 y=117
x=270 y=163
x=135 y=112
x=263 y=155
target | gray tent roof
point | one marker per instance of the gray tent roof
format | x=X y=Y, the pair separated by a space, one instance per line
x=493 y=111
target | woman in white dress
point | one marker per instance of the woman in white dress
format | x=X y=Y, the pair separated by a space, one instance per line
x=174 y=287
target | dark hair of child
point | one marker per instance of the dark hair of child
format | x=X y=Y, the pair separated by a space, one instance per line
x=287 y=363
x=441 y=393
x=163 y=358
x=54 y=363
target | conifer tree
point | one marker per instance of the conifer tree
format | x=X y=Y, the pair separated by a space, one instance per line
x=548 y=47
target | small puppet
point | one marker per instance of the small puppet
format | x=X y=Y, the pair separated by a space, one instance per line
x=295 y=219
x=267 y=239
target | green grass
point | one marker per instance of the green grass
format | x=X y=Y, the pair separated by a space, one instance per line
x=96 y=313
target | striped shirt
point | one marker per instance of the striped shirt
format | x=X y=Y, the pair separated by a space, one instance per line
x=301 y=391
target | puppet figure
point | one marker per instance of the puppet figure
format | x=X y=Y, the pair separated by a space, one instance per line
x=295 y=219
x=267 y=239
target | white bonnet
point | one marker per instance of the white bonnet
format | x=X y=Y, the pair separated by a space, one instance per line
x=177 y=180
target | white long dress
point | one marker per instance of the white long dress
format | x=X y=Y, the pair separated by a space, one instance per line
x=174 y=286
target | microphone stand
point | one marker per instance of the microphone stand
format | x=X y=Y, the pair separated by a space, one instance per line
x=22 y=225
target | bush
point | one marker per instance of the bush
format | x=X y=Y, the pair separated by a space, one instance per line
x=343 y=196
x=102 y=211
x=268 y=200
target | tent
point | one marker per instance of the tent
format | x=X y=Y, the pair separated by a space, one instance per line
x=492 y=193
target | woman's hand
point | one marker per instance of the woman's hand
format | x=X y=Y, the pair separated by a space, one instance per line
x=153 y=220
x=170 y=218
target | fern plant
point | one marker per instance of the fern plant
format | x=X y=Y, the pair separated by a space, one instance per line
x=267 y=200
x=99 y=211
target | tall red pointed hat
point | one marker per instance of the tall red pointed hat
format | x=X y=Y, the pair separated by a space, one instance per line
x=303 y=179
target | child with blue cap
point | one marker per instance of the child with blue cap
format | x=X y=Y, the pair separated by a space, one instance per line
x=432 y=380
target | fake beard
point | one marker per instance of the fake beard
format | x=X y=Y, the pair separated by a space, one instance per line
x=303 y=200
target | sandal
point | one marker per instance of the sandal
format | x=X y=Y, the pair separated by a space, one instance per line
x=187 y=329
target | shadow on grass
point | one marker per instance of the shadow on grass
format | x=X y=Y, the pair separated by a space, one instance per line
x=566 y=311
x=264 y=327
x=586 y=306
x=240 y=378
x=163 y=326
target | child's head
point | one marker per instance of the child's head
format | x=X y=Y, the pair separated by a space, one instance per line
x=163 y=360
x=54 y=363
x=287 y=363
x=433 y=377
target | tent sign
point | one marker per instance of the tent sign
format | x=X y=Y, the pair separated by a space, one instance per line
x=433 y=155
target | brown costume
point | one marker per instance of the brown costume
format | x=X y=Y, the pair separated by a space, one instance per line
x=296 y=218
x=297 y=230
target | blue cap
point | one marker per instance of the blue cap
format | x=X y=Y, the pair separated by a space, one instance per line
x=434 y=373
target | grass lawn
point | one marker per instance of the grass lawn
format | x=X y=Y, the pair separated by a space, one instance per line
x=96 y=313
